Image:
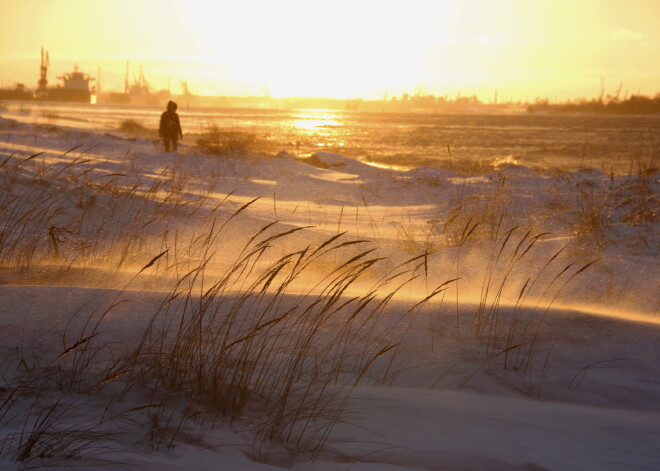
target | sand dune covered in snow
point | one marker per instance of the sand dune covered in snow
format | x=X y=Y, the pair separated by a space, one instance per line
x=256 y=311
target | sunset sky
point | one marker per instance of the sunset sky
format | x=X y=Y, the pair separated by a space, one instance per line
x=342 y=48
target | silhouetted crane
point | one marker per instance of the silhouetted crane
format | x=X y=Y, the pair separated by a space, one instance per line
x=43 y=72
x=184 y=89
x=618 y=92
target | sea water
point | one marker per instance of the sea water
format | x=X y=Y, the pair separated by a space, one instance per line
x=467 y=142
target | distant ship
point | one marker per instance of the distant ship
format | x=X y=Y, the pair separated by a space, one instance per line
x=75 y=84
x=75 y=87
x=19 y=92
x=140 y=92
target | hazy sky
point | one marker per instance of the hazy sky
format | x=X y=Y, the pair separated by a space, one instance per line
x=342 y=48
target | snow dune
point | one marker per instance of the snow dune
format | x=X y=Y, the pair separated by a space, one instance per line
x=463 y=396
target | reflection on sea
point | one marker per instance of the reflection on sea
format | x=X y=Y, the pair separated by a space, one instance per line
x=316 y=120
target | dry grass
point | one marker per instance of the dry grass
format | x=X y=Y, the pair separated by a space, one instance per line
x=73 y=217
x=215 y=140
x=239 y=346
x=478 y=215
x=248 y=348
x=250 y=341
x=133 y=126
x=601 y=213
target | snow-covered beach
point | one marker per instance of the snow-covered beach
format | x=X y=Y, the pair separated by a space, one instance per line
x=501 y=321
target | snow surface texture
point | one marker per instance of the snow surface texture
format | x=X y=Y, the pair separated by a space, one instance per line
x=580 y=391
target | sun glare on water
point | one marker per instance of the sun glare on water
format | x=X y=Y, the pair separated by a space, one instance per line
x=314 y=120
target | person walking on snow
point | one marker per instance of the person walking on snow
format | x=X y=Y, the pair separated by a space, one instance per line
x=170 y=127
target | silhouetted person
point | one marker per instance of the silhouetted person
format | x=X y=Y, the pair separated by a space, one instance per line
x=170 y=127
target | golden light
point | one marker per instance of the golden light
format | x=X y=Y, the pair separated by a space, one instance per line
x=344 y=48
x=315 y=120
x=299 y=48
